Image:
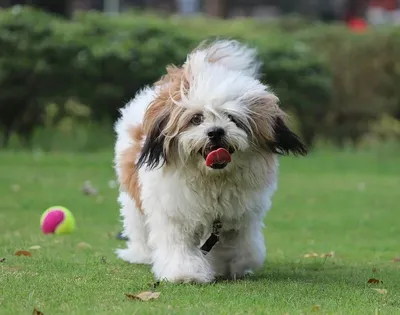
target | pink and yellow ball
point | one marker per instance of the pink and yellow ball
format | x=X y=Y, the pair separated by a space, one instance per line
x=57 y=220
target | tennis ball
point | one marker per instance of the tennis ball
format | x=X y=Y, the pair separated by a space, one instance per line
x=57 y=220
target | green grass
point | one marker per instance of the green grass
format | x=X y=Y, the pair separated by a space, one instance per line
x=343 y=202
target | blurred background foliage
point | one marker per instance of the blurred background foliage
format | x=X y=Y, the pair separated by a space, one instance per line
x=62 y=81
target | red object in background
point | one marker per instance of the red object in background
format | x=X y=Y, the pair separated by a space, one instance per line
x=389 y=5
x=357 y=24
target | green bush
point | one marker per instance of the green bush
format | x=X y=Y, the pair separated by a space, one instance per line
x=102 y=61
x=336 y=83
x=37 y=65
x=365 y=72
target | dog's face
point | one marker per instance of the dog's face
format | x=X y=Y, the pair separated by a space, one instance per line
x=211 y=129
x=206 y=115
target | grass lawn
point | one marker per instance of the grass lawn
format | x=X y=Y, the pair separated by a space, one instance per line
x=329 y=201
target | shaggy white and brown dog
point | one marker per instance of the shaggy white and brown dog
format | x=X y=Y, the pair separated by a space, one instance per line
x=199 y=147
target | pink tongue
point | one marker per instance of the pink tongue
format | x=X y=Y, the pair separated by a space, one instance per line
x=218 y=156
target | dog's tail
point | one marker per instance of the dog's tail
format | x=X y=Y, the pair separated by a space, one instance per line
x=228 y=53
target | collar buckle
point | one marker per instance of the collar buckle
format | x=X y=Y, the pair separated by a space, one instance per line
x=214 y=237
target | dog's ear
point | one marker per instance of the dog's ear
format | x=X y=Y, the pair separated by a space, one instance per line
x=269 y=126
x=153 y=151
x=286 y=141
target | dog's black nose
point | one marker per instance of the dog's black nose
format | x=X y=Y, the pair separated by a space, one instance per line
x=215 y=133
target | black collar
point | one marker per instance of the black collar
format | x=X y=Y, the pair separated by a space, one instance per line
x=214 y=237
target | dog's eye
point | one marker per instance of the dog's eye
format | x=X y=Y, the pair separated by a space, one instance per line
x=231 y=118
x=197 y=119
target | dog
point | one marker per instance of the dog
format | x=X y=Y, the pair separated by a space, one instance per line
x=201 y=146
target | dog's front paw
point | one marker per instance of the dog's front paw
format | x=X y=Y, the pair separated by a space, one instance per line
x=180 y=276
x=241 y=267
x=238 y=273
x=135 y=254
x=187 y=270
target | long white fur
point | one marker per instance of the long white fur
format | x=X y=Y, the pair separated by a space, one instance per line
x=181 y=203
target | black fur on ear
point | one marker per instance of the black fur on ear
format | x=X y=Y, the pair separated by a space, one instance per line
x=286 y=141
x=153 y=151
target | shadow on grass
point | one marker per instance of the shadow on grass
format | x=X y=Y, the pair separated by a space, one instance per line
x=328 y=273
x=312 y=271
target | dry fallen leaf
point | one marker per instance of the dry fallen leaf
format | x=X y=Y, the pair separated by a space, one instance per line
x=380 y=291
x=23 y=253
x=316 y=308
x=144 y=296
x=83 y=245
x=35 y=247
x=2 y=259
x=373 y=280
x=311 y=255
x=36 y=312
x=326 y=255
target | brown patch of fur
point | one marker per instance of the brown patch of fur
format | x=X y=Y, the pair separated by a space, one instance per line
x=170 y=88
x=264 y=112
x=165 y=107
x=269 y=125
x=129 y=173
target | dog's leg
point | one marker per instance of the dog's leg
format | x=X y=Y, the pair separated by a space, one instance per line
x=223 y=253
x=249 y=249
x=176 y=257
x=137 y=250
